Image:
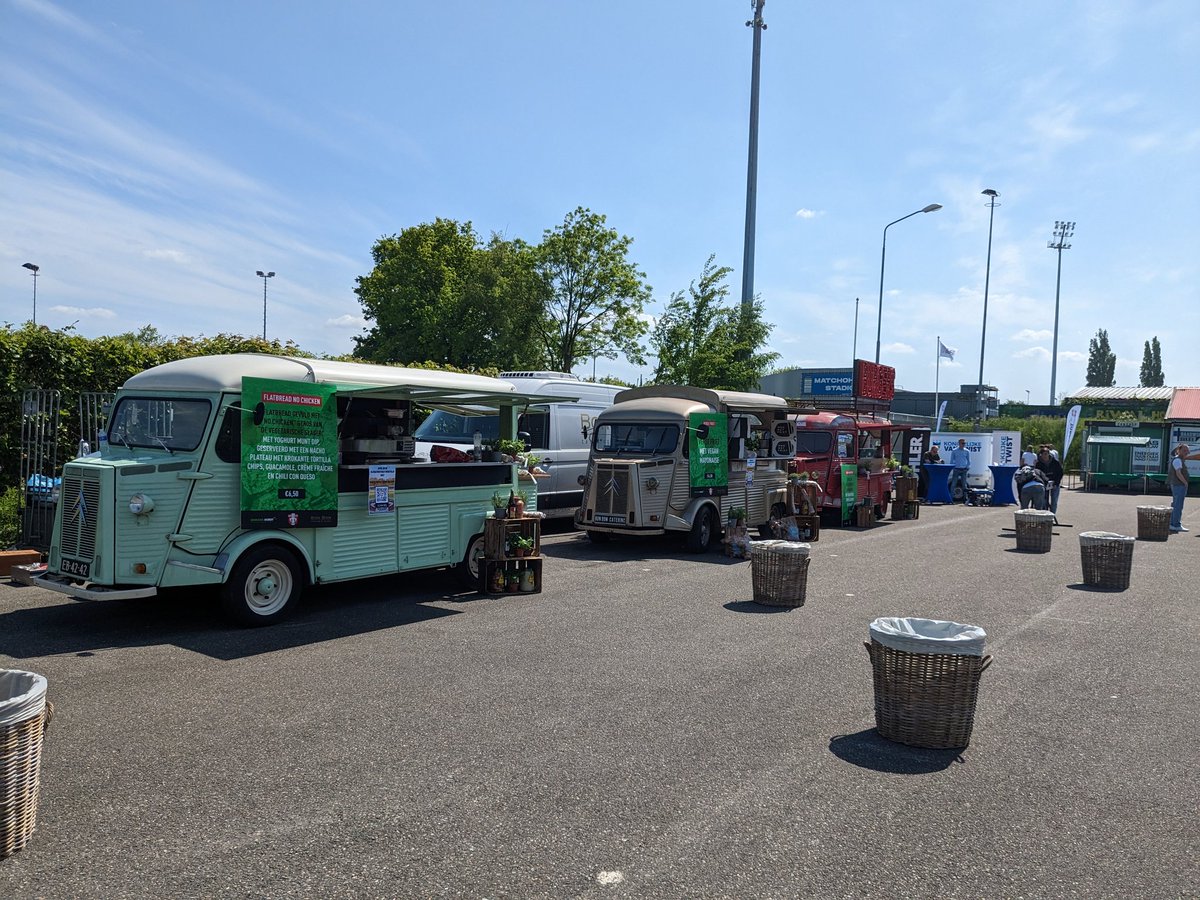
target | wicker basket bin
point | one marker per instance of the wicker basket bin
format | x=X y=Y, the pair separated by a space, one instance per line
x=1154 y=523
x=779 y=572
x=1034 y=530
x=1107 y=559
x=20 y=760
x=925 y=699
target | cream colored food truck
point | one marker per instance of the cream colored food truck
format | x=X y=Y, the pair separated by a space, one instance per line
x=677 y=458
x=261 y=474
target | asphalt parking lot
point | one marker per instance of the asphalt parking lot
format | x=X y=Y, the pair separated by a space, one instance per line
x=638 y=729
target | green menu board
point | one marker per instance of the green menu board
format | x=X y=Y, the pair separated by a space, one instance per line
x=289 y=454
x=849 y=490
x=708 y=454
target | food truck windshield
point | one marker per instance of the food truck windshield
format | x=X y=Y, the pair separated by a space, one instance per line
x=636 y=438
x=445 y=427
x=165 y=423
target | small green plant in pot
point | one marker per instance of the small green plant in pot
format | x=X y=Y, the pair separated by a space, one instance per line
x=511 y=447
x=499 y=505
x=737 y=515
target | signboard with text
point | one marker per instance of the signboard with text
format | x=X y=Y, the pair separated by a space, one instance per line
x=289 y=454
x=708 y=454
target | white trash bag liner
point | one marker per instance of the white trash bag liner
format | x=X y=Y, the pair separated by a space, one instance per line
x=22 y=696
x=913 y=635
x=778 y=546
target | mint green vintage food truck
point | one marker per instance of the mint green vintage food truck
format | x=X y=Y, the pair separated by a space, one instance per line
x=260 y=475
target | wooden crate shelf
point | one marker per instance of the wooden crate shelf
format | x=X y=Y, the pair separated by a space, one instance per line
x=497 y=532
x=489 y=569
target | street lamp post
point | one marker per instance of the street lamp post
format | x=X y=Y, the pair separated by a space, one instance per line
x=987 y=276
x=759 y=27
x=1062 y=231
x=264 y=276
x=932 y=207
x=854 y=352
x=34 y=270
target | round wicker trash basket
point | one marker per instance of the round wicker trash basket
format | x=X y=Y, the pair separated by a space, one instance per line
x=1107 y=559
x=926 y=699
x=24 y=713
x=1034 y=529
x=779 y=572
x=1154 y=523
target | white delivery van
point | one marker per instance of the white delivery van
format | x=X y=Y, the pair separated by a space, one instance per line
x=679 y=458
x=558 y=431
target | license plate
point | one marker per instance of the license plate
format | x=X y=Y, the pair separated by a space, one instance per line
x=76 y=568
x=609 y=520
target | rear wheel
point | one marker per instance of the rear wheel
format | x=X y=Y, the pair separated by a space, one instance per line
x=700 y=538
x=467 y=571
x=264 y=584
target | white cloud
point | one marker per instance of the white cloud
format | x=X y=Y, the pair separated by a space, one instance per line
x=94 y=312
x=176 y=256
x=899 y=347
x=1039 y=353
x=808 y=213
x=1029 y=334
x=347 y=321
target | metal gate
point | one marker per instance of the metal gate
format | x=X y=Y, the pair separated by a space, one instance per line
x=39 y=467
x=94 y=407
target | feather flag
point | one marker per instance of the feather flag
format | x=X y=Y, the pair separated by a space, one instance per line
x=945 y=351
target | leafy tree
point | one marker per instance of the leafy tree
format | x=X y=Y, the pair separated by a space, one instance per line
x=703 y=342
x=594 y=295
x=1102 y=362
x=436 y=293
x=1151 y=374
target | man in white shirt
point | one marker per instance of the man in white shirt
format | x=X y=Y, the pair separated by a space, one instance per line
x=1177 y=477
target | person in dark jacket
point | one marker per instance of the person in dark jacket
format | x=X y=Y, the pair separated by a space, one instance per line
x=1053 y=470
x=932 y=455
x=1032 y=484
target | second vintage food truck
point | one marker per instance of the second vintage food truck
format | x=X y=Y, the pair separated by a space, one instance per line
x=259 y=475
x=673 y=458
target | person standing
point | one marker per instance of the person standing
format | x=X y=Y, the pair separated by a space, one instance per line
x=1029 y=458
x=960 y=458
x=929 y=456
x=1177 y=477
x=1053 y=470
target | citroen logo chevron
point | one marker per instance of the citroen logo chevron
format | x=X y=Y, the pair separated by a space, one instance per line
x=80 y=509
x=612 y=486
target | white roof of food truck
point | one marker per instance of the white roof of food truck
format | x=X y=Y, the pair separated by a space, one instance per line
x=715 y=399
x=225 y=373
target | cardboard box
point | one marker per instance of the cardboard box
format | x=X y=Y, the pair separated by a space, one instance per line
x=11 y=558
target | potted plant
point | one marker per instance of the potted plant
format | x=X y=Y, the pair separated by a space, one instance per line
x=891 y=463
x=490 y=453
x=524 y=546
x=499 y=505
x=510 y=447
x=522 y=498
x=751 y=441
x=737 y=516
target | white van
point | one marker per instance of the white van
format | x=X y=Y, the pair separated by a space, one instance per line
x=559 y=432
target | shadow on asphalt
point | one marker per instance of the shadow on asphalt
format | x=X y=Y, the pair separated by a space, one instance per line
x=868 y=750
x=750 y=606
x=648 y=547
x=1095 y=589
x=192 y=619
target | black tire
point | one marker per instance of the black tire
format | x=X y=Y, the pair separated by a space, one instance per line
x=778 y=511
x=467 y=571
x=263 y=587
x=599 y=537
x=700 y=538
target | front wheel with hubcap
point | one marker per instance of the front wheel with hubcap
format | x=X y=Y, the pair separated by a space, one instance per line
x=700 y=537
x=467 y=571
x=264 y=584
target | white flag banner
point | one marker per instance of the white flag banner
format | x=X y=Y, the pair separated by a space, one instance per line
x=1072 y=422
x=941 y=412
x=944 y=351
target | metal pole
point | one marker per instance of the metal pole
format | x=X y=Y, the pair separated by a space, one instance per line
x=264 y=276
x=987 y=276
x=932 y=207
x=1062 y=231
x=937 y=377
x=752 y=165
x=854 y=352
x=34 y=271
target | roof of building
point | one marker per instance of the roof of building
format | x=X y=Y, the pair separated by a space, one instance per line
x=1185 y=404
x=1122 y=393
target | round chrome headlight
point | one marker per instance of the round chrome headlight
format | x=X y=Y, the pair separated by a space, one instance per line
x=140 y=504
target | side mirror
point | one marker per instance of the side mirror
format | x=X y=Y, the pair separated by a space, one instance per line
x=702 y=432
x=523 y=436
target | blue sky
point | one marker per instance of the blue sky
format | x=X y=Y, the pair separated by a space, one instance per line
x=153 y=156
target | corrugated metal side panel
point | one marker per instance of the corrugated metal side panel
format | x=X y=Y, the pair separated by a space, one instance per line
x=424 y=536
x=362 y=545
x=1185 y=405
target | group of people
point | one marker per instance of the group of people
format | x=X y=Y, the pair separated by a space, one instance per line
x=1040 y=481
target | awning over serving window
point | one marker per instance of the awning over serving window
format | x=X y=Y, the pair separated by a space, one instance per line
x=1122 y=439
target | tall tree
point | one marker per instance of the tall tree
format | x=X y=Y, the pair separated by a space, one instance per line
x=1102 y=362
x=703 y=342
x=1151 y=374
x=595 y=294
x=437 y=294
